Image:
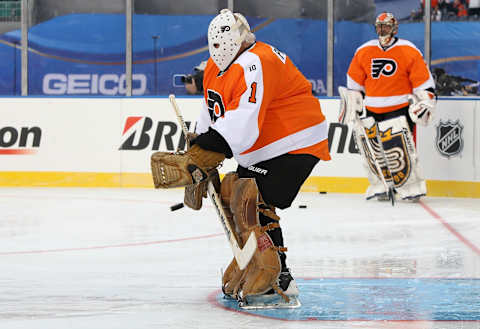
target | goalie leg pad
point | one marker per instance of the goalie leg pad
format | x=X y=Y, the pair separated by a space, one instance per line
x=231 y=279
x=262 y=273
x=226 y=191
x=182 y=169
x=402 y=158
x=376 y=187
x=232 y=276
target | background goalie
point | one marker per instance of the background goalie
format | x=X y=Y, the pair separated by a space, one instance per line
x=398 y=91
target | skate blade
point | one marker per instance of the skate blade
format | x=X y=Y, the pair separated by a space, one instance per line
x=268 y=302
x=228 y=296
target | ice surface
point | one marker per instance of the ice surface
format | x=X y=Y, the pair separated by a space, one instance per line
x=120 y=259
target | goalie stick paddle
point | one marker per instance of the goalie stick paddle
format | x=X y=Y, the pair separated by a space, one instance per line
x=388 y=187
x=242 y=255
x=391 y=188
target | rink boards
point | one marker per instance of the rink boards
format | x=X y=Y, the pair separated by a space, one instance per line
x=107 y=142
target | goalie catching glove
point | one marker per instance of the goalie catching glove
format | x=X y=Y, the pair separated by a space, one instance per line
x=422 y=105
x=181 y=169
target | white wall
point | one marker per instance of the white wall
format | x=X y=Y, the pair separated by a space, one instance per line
x=86 y=134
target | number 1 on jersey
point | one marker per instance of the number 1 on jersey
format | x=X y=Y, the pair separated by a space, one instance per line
x=253 y=94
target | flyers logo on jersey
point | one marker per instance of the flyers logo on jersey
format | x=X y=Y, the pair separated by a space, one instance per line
x=383 y=66
x=216 y=108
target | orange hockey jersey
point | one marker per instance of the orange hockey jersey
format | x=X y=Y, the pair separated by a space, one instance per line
x=263 y=107
x=387 y=77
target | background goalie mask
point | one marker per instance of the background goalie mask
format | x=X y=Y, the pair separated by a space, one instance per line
x=386 y=27
x=226 y=33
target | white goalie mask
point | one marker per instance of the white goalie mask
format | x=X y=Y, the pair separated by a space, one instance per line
x=386 y=27
x=226 y=33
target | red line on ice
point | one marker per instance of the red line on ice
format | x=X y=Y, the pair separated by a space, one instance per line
x=134 y=244
x=450 y=228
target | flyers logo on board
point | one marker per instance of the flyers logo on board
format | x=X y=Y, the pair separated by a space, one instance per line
x=383 y=66
x=216 y=107
x=395 y=146
x=19 y=141
x=449 y=139
x=140 y=132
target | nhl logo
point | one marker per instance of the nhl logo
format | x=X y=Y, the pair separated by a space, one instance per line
x=449 y=140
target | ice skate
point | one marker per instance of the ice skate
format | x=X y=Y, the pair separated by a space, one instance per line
x=382 y=197
x=272 y=299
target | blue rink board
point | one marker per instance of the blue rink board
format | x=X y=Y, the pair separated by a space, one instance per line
x=379 y=299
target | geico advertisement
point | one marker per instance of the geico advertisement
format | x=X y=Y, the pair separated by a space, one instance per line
x=92 y=84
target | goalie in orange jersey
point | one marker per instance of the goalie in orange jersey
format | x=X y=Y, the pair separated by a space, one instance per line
x=389 y=78
x=259 y=109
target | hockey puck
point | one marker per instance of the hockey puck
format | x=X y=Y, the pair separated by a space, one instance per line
x=302 y=206
x=177 y=206
x=323 y=192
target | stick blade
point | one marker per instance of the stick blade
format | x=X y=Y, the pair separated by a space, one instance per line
x=242 y=256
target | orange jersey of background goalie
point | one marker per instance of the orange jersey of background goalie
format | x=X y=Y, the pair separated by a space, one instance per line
x=387 y=77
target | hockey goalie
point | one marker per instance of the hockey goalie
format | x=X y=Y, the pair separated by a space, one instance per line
x=389 y=90
x=259 y=109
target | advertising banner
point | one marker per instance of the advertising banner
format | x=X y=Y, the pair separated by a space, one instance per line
x=109 y=141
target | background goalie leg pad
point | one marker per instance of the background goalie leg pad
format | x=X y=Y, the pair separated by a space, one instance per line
x=376 y=187
x=402 y=158
x=261 y=277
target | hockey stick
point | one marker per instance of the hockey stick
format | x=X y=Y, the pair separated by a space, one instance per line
x=391 y=187
x=388 y=187
x=242 y=256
